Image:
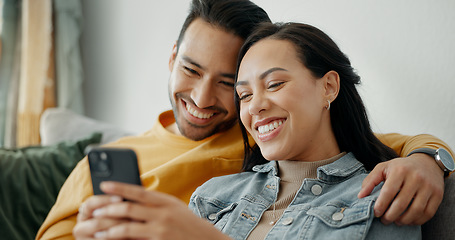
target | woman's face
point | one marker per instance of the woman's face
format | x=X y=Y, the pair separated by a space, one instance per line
x=282 y=105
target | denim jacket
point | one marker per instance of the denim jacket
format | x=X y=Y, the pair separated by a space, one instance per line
x=324 y=208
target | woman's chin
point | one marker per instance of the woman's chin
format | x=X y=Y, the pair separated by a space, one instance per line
x=271 y=156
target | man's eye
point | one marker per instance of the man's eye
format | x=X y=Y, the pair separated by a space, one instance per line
x=229 y=84
x=190 y=71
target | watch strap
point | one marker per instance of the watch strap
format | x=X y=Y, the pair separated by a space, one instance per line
x=432 y=153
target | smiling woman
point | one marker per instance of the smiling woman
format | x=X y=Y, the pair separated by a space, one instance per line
x=296 y=96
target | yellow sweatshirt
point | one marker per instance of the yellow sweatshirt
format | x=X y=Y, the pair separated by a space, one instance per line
x=176 y=165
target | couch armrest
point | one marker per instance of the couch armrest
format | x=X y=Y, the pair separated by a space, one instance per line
x=441 y=225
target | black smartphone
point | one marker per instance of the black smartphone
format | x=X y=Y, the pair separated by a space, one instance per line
x=113 y=164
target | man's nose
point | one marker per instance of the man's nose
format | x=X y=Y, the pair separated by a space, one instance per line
x=203 y=93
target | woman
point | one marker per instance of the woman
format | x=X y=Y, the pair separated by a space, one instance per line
x=296 y=97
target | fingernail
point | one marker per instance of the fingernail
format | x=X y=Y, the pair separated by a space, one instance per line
x=377 y=213
x=101 y=234
x=116 y=199
x=106 y=185
x=98 y=212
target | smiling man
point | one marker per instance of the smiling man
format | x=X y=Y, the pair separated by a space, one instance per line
x=200 y=139
x=202 y=80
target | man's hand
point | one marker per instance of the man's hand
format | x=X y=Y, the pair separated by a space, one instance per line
x=412 y=191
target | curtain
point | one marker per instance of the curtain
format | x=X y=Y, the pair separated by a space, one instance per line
x=36 y=46
x=9 y=56
x=68 y=17
x=40 y=65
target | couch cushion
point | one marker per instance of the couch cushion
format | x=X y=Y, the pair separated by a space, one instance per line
x=30 y=179
x=58 y=124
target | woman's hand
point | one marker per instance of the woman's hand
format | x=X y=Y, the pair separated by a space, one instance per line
x=147 y=215
x=412 y=192
x=87 y=225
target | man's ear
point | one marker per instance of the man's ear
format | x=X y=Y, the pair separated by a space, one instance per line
x=331 y=85
x=172 y=57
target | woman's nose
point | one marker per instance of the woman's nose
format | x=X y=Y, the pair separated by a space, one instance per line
x=258 y=103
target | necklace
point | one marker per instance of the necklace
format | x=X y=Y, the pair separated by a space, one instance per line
x=273 y=216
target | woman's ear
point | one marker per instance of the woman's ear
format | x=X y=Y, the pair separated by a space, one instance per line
x=331 y=85
x=172 y=57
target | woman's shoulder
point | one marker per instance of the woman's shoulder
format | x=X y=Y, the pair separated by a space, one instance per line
x=227 y=183
x=230 y=188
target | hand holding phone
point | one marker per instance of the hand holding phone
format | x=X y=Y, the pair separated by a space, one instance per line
x=113 y=164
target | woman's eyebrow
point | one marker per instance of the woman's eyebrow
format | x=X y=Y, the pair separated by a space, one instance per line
x=262 y=76
x=271 y=70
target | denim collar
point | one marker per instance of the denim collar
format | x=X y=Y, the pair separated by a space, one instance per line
x=341 y=168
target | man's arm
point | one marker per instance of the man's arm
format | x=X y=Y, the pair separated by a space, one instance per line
x=413 y=186
x=403 y=145
x=61 y=219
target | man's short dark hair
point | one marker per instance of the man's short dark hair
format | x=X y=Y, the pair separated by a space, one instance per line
x=239 y=17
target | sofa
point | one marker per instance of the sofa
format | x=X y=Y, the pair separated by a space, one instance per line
x=31 y=177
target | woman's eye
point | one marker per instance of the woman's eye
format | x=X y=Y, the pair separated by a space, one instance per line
x=244 y=97
x=275 y=85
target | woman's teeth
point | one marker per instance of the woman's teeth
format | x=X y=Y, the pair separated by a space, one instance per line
x=197 y=114
x=269 y=127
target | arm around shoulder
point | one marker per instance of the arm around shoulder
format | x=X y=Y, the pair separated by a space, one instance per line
x=403 y=145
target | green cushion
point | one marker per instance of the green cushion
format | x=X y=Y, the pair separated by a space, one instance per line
x=30 y=179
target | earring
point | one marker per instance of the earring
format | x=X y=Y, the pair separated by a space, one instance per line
x=328 y=107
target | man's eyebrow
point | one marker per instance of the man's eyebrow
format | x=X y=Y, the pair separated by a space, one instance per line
x=262 y=76
x=191 y=61
x=228 y=75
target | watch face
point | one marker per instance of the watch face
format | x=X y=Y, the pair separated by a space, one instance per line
x=446 y=159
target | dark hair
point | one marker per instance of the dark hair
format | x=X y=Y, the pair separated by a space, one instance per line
x=349 y=120
x=239 y=17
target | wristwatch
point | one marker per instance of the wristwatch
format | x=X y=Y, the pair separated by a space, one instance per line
x=442 y=157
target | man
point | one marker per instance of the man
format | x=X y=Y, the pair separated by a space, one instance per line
x=200 y=139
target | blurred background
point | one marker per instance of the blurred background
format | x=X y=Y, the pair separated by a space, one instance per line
x=404 y=50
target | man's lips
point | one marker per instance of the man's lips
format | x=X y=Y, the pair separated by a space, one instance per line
x=198 y=114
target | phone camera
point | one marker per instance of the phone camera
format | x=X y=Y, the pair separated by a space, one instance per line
x=100 y=162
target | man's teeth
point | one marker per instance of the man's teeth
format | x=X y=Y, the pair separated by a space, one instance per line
x=269 y=127
x=197 y=114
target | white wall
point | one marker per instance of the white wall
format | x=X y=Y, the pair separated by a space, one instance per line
x=404 y=50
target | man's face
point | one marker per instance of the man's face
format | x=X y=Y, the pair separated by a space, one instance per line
x=202 y=79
